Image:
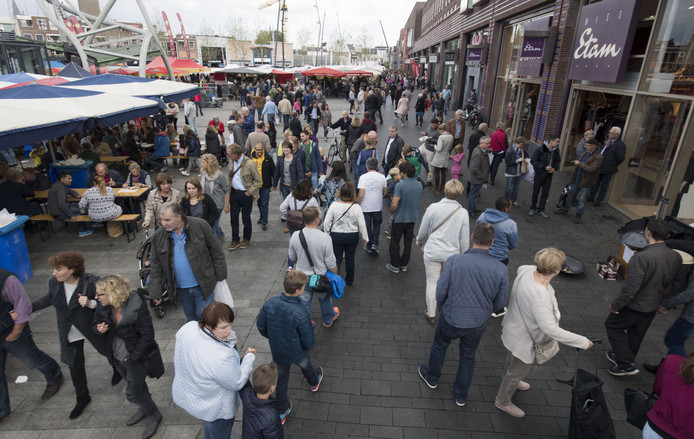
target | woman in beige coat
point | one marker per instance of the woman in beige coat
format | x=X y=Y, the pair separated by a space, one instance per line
x=533 y=314
x=443 y=147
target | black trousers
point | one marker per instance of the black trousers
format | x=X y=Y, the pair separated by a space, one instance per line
x=542 y=182
x=136 y=390
x=626 y=331
x=78 y=371
x=398 y=231
x=240 y=203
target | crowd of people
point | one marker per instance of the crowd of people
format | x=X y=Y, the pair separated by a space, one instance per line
x=329 y=214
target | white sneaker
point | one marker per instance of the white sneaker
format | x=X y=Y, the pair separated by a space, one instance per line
x=497 y=315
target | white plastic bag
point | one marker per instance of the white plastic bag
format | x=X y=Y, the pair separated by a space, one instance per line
x=223 y=294
x=530 y=174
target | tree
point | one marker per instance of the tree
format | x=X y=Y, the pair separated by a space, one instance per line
x=303 y=35
x=237 y=43
x=265 y=36
x=365 y=43
x=160 y=28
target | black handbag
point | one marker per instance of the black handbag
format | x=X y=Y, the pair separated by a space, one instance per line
x=319 y=283
x=155 y=364
x=638 y=403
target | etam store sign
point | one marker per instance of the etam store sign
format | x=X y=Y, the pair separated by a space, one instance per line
x=603 y=40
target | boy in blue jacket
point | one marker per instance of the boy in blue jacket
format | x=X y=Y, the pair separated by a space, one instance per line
x=259 y=409
x=286 y=323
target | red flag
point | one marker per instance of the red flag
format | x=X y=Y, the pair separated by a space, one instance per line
x=183 y=32
x=172 y=46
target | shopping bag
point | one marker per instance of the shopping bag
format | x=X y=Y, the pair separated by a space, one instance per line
x=529 y=175
x=223 y=294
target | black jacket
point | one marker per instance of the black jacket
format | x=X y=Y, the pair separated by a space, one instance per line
x=261 y=417
x=342 y=124
x=210 y=211
x=214 y=147
x=296 y=170
x=543 y=157
x=474 y=140
x=353 y=134
x=13 y=197
x=612 y=157
x=371 y=102
x=268 y=171
x=295 y=127
x=72 y=314
x=135 y=328
x=39 y=183
x=393 y=153
x=511 y=163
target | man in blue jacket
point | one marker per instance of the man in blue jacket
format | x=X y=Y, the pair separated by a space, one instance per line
x=505 y=229
x=286 y=323
x=471 y=286
x=162 y=148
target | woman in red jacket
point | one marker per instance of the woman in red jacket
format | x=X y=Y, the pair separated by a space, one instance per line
x=498 y=145
x=671 y=416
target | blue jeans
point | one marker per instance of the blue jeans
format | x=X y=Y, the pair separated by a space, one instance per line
x=512 y=185
x=285 y=119
x=649 y=433
x=326 y=304
x=599 y=191
x=216 y=227
x=677 y=335
x=347 y=243
x=155 y=162
x=218 y=429
x=75 y=209
x=25 y=349
x=283 y=372
x=284 y=190
x=136 y=390
x=473 y=196
x=469 y=340
x=581 y=193
x=263 y=203
x=373 y=226
x=193 y=301
x=314 y=180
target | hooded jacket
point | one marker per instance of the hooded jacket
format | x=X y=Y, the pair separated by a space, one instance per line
x=505 y=232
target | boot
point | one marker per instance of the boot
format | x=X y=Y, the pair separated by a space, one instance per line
x=79 y=407
x=151 y=425
x=136 y=418
x=116 y=377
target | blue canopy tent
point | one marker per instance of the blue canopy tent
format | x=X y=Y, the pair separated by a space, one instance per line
x=135 y=86
x=72 y=70
x=35 y=112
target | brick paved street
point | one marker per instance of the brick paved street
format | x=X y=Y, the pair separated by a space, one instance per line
x=370 y=356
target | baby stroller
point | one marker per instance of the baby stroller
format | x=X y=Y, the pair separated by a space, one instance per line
x=143 y=254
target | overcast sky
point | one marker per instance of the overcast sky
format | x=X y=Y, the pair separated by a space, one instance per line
x=302 y=18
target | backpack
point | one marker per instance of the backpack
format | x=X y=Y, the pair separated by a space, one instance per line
x=295 y=217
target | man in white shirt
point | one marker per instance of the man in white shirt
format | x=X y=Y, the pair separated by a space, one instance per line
x=189 y=111
x=372 y=189
x=393 y=151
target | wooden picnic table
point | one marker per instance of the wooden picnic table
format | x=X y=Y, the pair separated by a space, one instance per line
x=109 y=160
x=130 y=195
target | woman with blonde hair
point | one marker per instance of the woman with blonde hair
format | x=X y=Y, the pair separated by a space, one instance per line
x=532 y=320
x=195 y=203
x=123 y=320
x=99 y=202
x=214 y=185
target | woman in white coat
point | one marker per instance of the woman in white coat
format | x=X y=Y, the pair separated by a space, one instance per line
x=209 y=373
x=532 y=318
x=446 y=229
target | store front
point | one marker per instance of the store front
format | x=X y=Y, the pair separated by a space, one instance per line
x=651 y=102
x=450 y=65
x=475 y=59
x=517 y=88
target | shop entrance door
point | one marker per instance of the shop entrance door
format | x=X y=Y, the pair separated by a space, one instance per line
x=526 y=105
x=592 y=110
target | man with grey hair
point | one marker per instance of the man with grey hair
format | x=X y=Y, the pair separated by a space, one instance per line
x=248 y=121
x=478 y=174
x=612 y=156
x=187 y=259
x=372 y=188
x=456 y=127
x=110 y=176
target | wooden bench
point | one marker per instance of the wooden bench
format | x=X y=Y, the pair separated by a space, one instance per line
x=126 y=220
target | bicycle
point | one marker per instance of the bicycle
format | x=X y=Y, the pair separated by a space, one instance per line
x=334 y=150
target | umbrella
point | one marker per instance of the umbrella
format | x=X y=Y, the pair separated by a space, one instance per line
x=135 y=86
x=324 y=71
x=358 y=73
x=72 y=70
x=38 y=112
x=185 y=66
x=51 y=80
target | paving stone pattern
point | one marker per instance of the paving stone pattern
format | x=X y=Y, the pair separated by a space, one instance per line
x=371 y=388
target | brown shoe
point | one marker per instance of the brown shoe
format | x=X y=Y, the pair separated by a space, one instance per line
x=578 y=219
x=431 y=319
x=511 y=409
x=234 y=245
x=52 y=389
x=245 y=243
x=286 y=230
x=522 y=385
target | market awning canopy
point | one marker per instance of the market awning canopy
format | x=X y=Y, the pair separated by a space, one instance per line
x=37 y=112
x=184 y=66
x=72 y=70
x=324 y=71
x=51 y=80
x=135 y=86
x=352 y=73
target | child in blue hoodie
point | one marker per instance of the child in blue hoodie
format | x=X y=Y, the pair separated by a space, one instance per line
x=505 y=229
x=260 y=415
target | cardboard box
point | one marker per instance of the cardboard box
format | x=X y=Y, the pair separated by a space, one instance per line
x=605 y=271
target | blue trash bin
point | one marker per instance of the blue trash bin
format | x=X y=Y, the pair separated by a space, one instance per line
x=80 y=173
x=14 y=255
